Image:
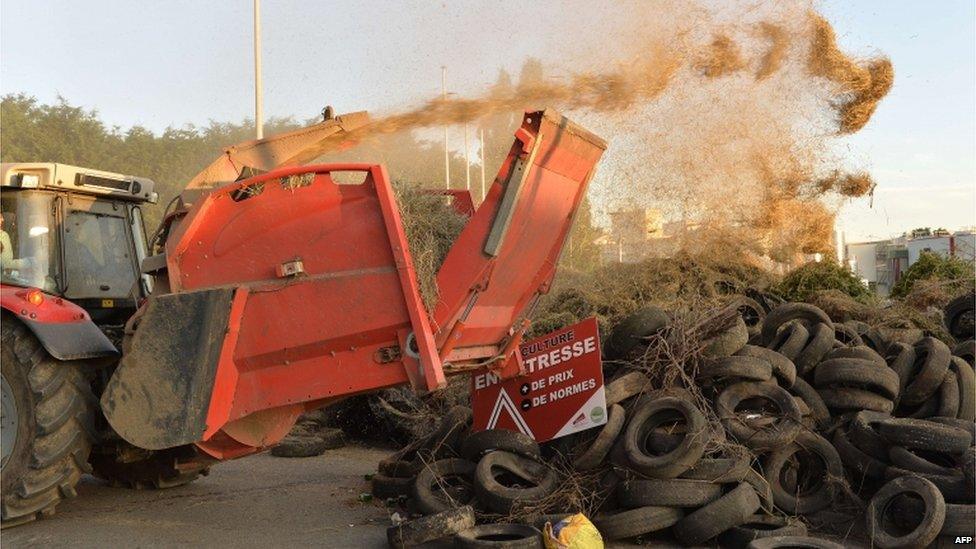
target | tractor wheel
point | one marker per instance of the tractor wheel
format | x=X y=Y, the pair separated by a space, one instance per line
x=125 y=465
x=47 y=419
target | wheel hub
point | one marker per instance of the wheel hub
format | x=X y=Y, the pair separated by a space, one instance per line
x=8 y=421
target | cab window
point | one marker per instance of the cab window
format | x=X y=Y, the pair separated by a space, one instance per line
x=98 y=254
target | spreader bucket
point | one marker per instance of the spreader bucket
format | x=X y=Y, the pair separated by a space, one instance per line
x=292 y=289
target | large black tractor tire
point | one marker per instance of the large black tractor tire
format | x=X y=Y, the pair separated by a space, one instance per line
x=124 y=465
x=47 y=426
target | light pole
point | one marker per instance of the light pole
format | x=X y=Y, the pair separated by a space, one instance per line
x=258 y=99
x=482 y=155
x=467 y=160
x=447 y=157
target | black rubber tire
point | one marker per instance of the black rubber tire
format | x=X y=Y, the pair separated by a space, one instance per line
x=666 y=493
x=759 y=527
x=630 y=333
x=966 y=379
x=821 y=341
x=626 y=386
x=968 y=463
x=857 y=373
x=443 y=441
x=424 y=529
x=767 y=300
x=765 y=493
x=848 y=399
x=56 y=411
x=299 y=446
x=931 y=365
x=502 y=499
x=966 y=350
x=967 y=426
x=499 y=536
x=959 y=316
x=551 y=518
x=753 y=314
x=919 y=434
x=960 y=520
x=789 y=500
x=791 y=340
x=399 y=468
x=875 y=340
x=478 y=444
x=858 y=326
x=428 y=500
x=908 y=460
x=728 y=342
x=948 y=396
x=804 y=312
x=719 y=470
x=783 y=368
x=794 y=542
x=594 y=455
x=650 y=415
x=847 y=336
x=858 y=464
x=819 y=410
x=157 y=470
x=732 y=509
x=384 y=487
x=735 y=367
x=901 y=359
x=452 y=429
x=863 y=433
x=954 y=488
x=862 y=352
x=779 y=433
x=927 y=529
x=636 y=522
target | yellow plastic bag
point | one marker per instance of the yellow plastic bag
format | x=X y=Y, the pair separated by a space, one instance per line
x=573 y=532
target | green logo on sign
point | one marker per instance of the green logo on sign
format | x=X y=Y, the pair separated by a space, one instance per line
x=596 y=414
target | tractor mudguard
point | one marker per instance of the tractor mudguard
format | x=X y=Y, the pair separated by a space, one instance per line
x=163 y=402
x=72 y=340
x=292 y=289
x=64 y=329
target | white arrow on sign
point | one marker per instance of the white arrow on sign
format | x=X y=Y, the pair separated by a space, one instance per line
x=504 y=402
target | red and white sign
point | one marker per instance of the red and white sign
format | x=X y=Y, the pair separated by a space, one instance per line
x=561 y=392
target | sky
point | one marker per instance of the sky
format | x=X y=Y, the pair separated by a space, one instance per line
x=173 y=63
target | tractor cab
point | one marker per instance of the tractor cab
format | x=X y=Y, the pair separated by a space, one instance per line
x=76 y=233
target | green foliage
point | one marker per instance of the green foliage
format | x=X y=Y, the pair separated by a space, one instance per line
x=803 y=282
x=61 y=132
x=933 y=267
x=36 y=132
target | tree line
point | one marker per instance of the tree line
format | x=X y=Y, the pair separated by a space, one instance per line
x=33 y=131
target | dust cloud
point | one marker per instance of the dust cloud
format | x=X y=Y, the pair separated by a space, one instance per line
x=722 y=120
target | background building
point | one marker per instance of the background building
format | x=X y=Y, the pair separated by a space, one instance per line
x=881 y=263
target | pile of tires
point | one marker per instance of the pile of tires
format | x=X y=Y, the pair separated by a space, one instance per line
x=442 y=479
x=787 y=423
x=897 y=413
x=309 y=437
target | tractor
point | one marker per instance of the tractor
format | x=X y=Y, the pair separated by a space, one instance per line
x=271 y=287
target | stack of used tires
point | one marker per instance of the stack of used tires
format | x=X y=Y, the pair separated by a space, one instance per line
x=445 y=476
x=899 y=416
x=785 y=422
x=697 y=481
